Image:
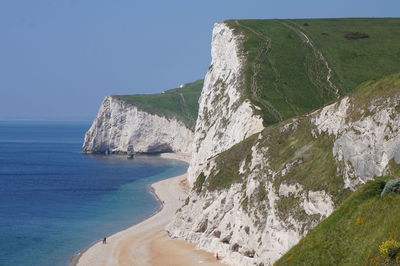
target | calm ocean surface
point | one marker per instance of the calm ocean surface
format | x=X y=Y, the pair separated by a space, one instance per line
x=55 y=201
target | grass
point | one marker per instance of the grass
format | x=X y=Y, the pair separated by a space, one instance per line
x=352 y=234
x=380 y=90
x=228 y=163
x=292 y=78
x=198 y=185
x=180 y=103
x=356 y=61
x=313 y=165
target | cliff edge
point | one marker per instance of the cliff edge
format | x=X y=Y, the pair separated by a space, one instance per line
x=145 y=123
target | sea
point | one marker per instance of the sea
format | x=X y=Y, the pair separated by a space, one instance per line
x=56 y=201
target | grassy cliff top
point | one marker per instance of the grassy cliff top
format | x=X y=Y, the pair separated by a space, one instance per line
x=354 y=233
x=179 y=103
x=295 y=66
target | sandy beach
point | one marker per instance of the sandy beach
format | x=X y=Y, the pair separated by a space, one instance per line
x=147 y=243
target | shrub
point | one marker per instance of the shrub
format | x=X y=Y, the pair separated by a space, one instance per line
x=226 y=239
x=235 y=247
x=202 y=226
x=247 y=229
x=198 y=185
x=389 y=248
x=356 y=35
x=217 y=234
x=245 y=203
x=262 y=193
x=249 y=253
x=392 y=187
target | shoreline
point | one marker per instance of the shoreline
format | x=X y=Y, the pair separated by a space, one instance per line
x=140 y=243
x=181 y=157
x=77 y=256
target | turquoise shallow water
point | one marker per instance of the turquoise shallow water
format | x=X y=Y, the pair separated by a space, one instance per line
x=55 y=201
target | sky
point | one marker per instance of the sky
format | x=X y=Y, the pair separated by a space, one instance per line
x=60 y=58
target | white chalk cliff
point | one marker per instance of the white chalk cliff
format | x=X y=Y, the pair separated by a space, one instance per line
x=119 y=125
x=247 y=230
x=365 y=146
x=224 y=117
x=268 y=209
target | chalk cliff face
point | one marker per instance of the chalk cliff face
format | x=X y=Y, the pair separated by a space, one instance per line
x=364 y=146
x=225 y=117
x=119 y=125
x=288 y=178
x=255 y=197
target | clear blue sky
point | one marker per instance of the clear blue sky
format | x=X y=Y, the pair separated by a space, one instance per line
x=59 y=58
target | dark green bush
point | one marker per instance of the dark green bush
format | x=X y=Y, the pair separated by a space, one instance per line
x=392 y=187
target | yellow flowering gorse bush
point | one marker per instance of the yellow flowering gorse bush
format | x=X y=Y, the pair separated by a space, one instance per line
x=386 y=246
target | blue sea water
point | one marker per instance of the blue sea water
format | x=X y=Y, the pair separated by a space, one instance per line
x=55 y=201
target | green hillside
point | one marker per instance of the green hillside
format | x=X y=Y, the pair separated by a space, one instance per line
x=313 y=164
x=181 y=103
x=289 y=146
x=355 y=233
x=295 y=66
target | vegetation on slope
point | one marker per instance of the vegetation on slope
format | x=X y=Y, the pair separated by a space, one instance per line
x=295 y=66
x=354 y=234
x=296 y=156
x=228 y=162
x=300 y=147
x=180 y=103
x=312 y=166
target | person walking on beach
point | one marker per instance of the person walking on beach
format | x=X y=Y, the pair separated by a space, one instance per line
x=105 y=240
